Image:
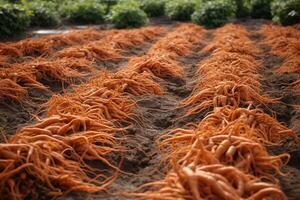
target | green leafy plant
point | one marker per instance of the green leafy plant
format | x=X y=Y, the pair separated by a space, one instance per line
x=83 y=11
x=43 y=13
x=180 y=9
x=14 y=20
x=261 y=9
x=286 y=12
x=153 y=8
x=128 y=14
x=243 y=8
x=213 y=13
x=10 y=1
x=108 y=4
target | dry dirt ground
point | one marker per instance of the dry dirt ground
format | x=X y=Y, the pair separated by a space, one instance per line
x=158 y=114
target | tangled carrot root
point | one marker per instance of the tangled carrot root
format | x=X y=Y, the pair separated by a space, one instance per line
x=48 y=44
x=22 y=75
x=296 y=85
x=63 y=70
x=252 y=123
x=130 y=38
x=225 y=93
x=101 y=104
x=109 y=48
x=153 y=31
x=228 y=66
x=193 y=33
x=291 y=65
x=242 y=47
x=128 y=82
x=232 y=38
x=160 y=60
x=211 y=182
x=245 y=154
x=230 y=135
x=55 y=152
x=63 y=125
x=272 y=31
x=286 y=47
x=9 y=90
x=160 y=66
x=223 y=60
x=31 y=74
x=30 y=47
x=178 y=42
x=9 y=50
x=284 y=41
x=231 y=28
x=90 y=52
x=178 y=47
x=229 y=76
x=4 y=61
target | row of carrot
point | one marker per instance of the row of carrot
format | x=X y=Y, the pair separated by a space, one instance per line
x=224 y=155
x=285 y=43
x=69 y=64
x=110 y=47
x=47 y=45
x=83 y=126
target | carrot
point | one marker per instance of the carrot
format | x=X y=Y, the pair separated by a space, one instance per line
x=222 y=148
x=11 y=91
x=269 y=192
x=210 y=181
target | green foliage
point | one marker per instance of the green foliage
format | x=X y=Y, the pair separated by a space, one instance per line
x=153 y=8
x=180 y=9
x=242 y=8
x=10 y=1
x=128 y=14
x=14 y=20
x=286 y=12
x=213 y=13
x=108 y=4
x=261 y=9
x=83 y=11
x=43 y=13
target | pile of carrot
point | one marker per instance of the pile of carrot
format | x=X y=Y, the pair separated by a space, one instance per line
x=40 y=71
x=110 y=47
x=160 y=61
x=45 y=46
x=60 y=64
x=224 y=156
x=285 y=43
x=79 y=126
x=11 y=90
x=230 y=75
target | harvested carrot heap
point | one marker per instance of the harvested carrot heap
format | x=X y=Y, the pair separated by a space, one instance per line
x=159 y=66
x=54 y=153
x=214 y=181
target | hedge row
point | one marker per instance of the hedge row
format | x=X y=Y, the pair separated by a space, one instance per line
x=17 y=15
